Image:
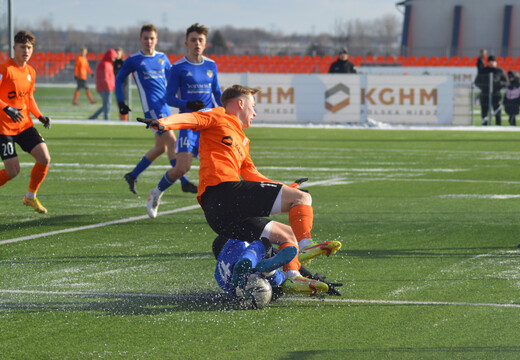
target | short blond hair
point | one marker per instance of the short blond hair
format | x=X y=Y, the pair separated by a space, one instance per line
x=236 y=91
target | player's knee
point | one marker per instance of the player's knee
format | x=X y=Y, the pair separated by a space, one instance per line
x=183 y=168
x=304 y=198
x=12 y=172
x=45 y=160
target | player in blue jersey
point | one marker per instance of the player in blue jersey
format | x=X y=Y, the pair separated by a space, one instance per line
x=150 y=70
x=236 y=259
x=192 y=85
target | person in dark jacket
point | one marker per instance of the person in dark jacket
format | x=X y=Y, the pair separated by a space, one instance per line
x=118 y=63
x=481 y=61
x=498 y=82
x=342 y=65
x=512 y=97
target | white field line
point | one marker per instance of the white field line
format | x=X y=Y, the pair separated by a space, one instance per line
x=347 y=170
x=124 y=166
x=402 y=302
x=373 y=126
x=305 y=299
x=93 y=226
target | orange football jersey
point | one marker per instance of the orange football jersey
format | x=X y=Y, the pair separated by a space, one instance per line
x=223 y=147
x=16 y=90
x=82 y=68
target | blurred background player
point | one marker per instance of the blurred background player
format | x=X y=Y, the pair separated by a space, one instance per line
x=481 y=61
x=150 y=70
x=17 y=80
x=512 y=97
x=105 y=83
x=234 y=195
x=81 y=72
x=492 y=94
x=342 y=65
x=192 y=85
x=118 y=63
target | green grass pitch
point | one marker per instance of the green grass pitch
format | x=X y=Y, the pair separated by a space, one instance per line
x=429 y=222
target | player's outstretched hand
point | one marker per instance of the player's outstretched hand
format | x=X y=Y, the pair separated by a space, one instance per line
x=151 y=123
x=195 y=105
x=14 y=114
x=123 y=108
x=46 y=121
x=296 y=184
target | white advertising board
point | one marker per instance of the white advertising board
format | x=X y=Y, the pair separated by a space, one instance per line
x=337 y=99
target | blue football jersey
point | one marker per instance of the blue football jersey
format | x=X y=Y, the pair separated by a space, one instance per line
x=193 y=81
x=233 y=251
x=150 y=75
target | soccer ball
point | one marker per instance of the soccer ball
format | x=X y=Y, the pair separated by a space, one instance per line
x=256 y=292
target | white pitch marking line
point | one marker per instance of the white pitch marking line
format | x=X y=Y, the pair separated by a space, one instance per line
x=183 y=296
x=93 y=226
x=403 y=302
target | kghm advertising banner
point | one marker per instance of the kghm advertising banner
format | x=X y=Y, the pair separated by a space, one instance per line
x=341 y=99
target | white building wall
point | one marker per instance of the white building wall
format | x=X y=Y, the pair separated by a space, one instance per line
x=482 y=27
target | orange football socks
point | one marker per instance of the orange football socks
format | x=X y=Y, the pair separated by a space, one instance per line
x=300 y=220
x=4 y=177
x=294 y=264
x=38 y=174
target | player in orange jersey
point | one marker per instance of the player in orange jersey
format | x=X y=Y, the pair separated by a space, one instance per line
x=17 y=102
x=234 y=195
x=81 y=71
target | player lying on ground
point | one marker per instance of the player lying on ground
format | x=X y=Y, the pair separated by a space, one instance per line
x=237 y=260
x=234 y=195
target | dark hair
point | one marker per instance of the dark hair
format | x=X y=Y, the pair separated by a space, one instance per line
x=199 y=29
x=236 y=91
x=148 y=27
x=24 y=37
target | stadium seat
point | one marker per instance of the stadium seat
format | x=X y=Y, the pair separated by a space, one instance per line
x=410 y=61
x=422 y=61
x=432 y=61
x=464 y=61
x=390 y=60
x=453 y=61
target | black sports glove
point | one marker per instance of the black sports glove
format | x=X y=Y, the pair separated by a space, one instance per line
x=123 y=108
x=332 y=286
x=46 y=121
x=195 y=105
x=320 y=277
x=14 y=114
x=151 y=123
x=296 y=184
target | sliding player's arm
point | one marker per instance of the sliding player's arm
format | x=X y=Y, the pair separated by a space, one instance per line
x=172 y=122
